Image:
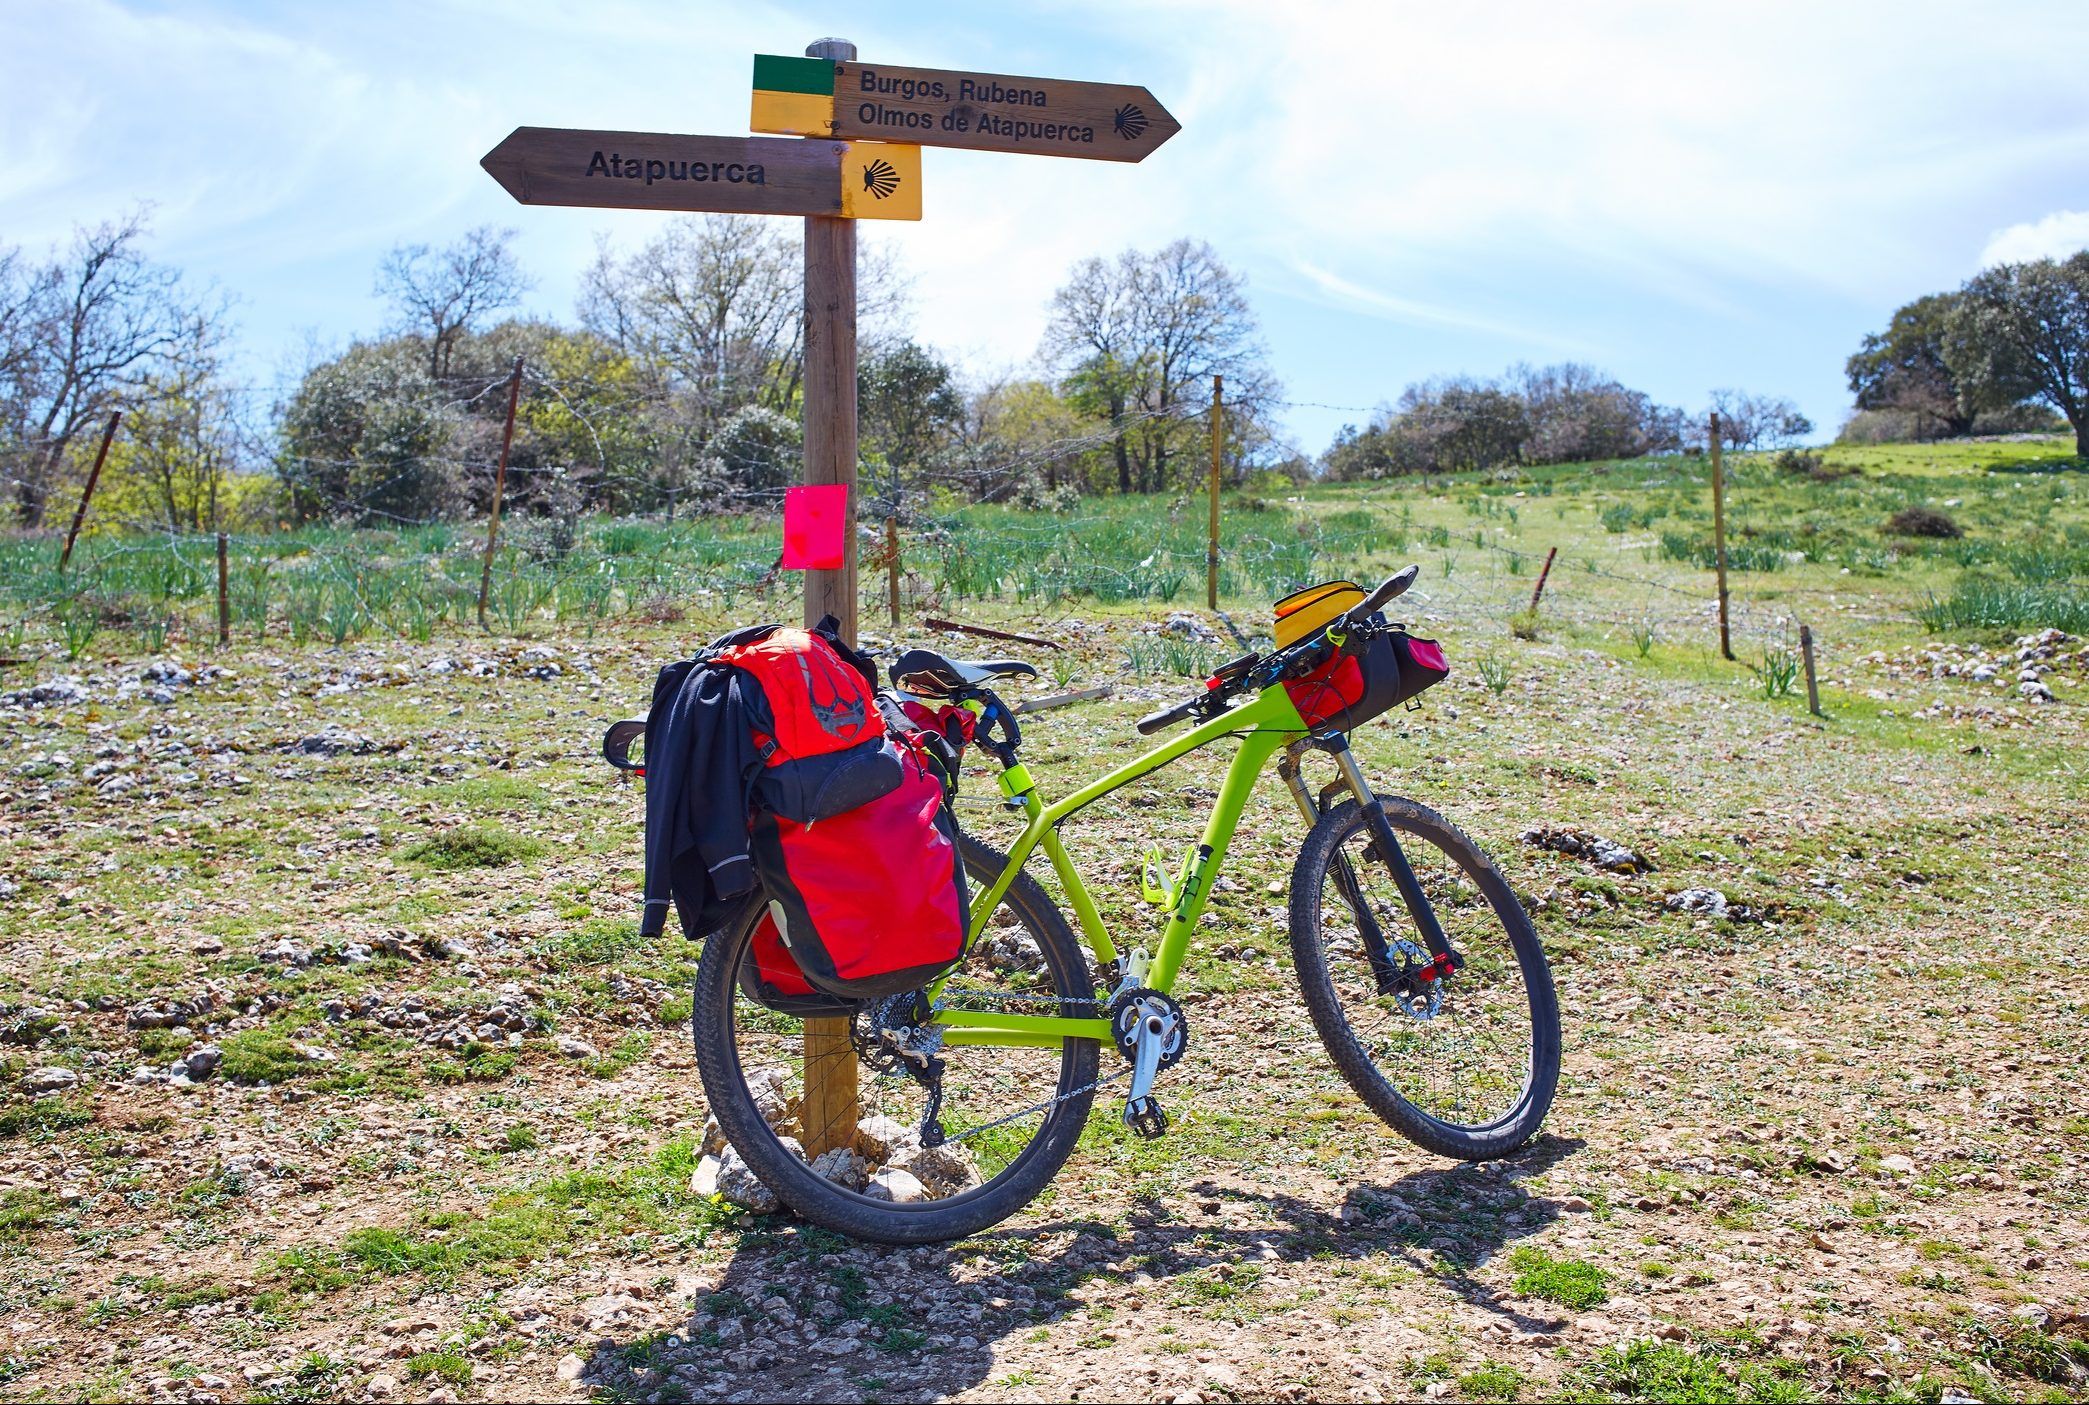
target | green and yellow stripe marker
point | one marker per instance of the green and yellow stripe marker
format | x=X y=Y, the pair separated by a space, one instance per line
x=793 y=96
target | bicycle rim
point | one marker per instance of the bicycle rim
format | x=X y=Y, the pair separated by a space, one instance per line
x=1000 y=1110
x=1460 y=1050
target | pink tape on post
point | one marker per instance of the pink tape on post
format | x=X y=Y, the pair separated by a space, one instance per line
x=815 y=527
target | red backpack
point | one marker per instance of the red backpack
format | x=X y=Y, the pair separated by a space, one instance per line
x=852 y=839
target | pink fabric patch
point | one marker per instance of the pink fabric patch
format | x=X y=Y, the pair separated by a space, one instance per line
x=1429 y=654
x=815 y=527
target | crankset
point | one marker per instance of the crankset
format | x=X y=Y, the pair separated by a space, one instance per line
x=1151 y=1030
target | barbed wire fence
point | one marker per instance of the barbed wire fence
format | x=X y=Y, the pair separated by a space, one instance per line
x=413 y=574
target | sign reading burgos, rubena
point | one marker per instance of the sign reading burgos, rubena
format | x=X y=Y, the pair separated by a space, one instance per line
x=728 y=175
x=941 y=107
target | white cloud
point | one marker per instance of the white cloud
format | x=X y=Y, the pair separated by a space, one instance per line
x=2059 y=234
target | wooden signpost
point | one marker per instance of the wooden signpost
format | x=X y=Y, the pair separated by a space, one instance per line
x=867 y=124
x=722 y=175
x=812 y=97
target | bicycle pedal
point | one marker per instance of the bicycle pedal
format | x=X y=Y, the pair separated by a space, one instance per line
x=1146 y=1117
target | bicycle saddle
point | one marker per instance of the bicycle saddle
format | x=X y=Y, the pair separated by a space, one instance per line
x=930 y=674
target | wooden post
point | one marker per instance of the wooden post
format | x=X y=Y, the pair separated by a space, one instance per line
x=500 y=483
x=1538 y=591
x=1813 y=689
x=94 y=476
x=1726 y=643
x=892 y=566
x=224 y=595
x=1218 y=434
x=828 y=1116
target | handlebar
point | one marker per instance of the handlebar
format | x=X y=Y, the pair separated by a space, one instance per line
x=1389 y=590
x=1168 y=716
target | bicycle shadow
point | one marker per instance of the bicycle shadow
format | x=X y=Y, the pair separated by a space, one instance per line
x=801 y=1314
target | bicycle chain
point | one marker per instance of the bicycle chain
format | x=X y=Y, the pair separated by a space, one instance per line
x=936 y=1095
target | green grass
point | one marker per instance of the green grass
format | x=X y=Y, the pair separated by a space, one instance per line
x=471 y=846
x=261 y=1056
x=1663 y=1371
x=24 y=1212
x=1491 y=1382
x=1568 y=1282
x=519 y=1227
x=1976 y=604
x=439 y=1365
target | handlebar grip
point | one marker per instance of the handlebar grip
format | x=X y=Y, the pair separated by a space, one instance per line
x=616 y=743
x=1167 y=717
x=1390 y=589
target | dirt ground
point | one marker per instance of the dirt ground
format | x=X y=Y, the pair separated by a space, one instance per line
x=1830 y=1144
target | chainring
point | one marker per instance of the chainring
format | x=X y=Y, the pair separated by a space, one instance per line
x=1130 y=1006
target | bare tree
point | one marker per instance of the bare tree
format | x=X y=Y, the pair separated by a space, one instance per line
x=1758 y=421
x=78 y=338
x=444 y=293
x=1139 y=339
x=713 y=310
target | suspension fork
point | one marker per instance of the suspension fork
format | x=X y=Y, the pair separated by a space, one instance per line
x=1387 y=844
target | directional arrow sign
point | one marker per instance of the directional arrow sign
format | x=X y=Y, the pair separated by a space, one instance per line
x=945 y=107
x=731 y=175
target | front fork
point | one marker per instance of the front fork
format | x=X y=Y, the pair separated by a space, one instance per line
x=1391 y=975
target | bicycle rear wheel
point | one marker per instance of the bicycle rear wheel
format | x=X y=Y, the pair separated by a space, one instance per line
x=1012 y=1115
x=1465 y=1065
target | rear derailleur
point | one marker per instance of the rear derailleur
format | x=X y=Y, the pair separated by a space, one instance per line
x=897 y=1037
x=1150 y=1030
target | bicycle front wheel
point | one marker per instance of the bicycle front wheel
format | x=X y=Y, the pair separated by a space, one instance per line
x=1009 y=1116
x=1463 y=1064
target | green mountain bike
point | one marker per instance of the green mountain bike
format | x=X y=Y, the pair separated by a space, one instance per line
x=1419 y=968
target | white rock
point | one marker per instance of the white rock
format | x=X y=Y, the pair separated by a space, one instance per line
x=704 y=1179
x=881 y=1140
x=1897 y=1165
x=571 y=1048
x=897 y=1186
x=570 y=1366
x=50 y=1080
x=841 y=1166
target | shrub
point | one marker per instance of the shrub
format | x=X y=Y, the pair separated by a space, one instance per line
x=472 y=846
x=1923 y=522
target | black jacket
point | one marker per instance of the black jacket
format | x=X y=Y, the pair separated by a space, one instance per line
x=701 y=771
x=700 y=766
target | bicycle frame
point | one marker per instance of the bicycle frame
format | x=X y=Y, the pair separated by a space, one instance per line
x=1265 y=725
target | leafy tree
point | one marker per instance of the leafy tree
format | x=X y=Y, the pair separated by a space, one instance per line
x=1904 y=369
x=907 y=410
x=2021 y=332
x=440 y=295
x=366 y=439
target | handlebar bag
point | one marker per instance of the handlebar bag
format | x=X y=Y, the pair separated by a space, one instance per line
x=869 y=902
x=1351 y=687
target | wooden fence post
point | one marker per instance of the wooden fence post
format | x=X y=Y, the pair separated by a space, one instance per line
x=892 y=566
x=1813 y=690
x=500 y=483
x=1218 y=435
x=828 y=1115
x=1726 y=643
x=94 y=476
x=224 y=595
x=1538 y=591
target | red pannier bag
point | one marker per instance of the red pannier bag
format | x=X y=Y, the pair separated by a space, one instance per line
x=863 y=904
x=1350 y=689
x=816 y=723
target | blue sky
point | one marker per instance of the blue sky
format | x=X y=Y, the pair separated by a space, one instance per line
x=1689 y=196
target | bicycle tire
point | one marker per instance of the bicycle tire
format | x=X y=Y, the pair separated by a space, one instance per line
x=1499 y=1136
x=832 y=1207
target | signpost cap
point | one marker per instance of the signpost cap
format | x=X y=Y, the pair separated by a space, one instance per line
x=833 y=50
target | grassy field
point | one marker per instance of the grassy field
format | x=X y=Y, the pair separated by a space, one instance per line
x=1827 y=1146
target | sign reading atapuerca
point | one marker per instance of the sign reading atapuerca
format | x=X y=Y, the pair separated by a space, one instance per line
x=942 y=107
x=727 y=175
